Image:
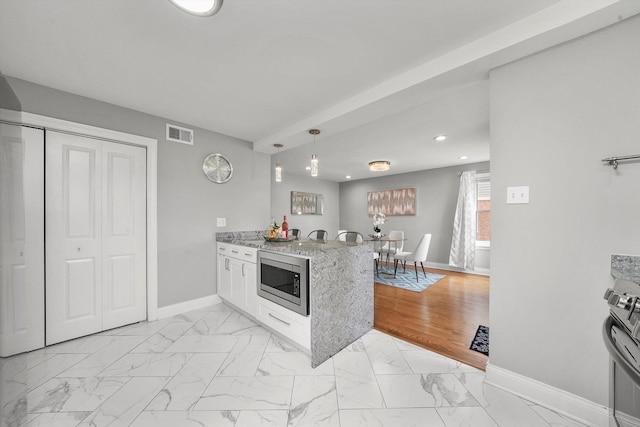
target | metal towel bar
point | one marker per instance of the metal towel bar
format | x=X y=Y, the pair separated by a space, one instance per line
x=613 y=161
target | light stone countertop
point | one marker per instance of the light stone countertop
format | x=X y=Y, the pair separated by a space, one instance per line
x=626 y=267
x=305 y=247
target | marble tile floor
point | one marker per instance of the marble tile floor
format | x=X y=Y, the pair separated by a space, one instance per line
x=216 y=367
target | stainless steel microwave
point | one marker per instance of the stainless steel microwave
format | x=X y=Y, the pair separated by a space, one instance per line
x=284 y=280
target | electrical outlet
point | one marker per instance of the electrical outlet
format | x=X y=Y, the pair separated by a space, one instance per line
x=516 y=195
x=221 y=222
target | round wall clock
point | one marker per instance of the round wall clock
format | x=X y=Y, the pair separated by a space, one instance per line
x=217 y=168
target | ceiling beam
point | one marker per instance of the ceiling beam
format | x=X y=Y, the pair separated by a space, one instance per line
x=556 y=24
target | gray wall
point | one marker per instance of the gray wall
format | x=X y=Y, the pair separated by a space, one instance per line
x=554 y=115
x=436 y=198
x=8 y=98
x=188 y=204
x=281 y=202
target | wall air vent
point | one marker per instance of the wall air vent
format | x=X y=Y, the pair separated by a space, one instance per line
x=179 y=134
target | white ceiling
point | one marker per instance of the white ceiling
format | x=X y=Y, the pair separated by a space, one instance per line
x=380 y=78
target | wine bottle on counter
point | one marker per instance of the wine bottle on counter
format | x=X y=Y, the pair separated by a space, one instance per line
x=285 y=227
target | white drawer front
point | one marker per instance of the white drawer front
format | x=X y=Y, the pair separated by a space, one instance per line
x=246 y=254
x=291 y=325
x=224 y=248
x=240 y=252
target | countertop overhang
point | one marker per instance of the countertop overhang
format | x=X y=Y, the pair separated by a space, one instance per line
x=306 y=247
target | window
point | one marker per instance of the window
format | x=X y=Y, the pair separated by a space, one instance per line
x=483 y=215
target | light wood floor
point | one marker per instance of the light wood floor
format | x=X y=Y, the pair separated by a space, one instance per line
x=443 y=318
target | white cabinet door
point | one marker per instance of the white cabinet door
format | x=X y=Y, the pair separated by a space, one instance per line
x=250 y=287
x=237 y=286
x=95 y=237
x=224 y=277
x=21 y=239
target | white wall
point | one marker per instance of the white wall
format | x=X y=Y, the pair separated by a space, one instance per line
x=436 y=198
x=281 y=202
x=188 y=204
x=554 y=115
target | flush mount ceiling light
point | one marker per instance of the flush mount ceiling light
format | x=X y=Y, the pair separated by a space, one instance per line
x=379 y=165
x=440 y=138
x=198 y=7
x=314 y=157
x=278 y=165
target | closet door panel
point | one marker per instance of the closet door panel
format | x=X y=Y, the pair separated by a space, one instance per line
x=80 y=300
x=124 y=234
x=73 y=236
x=79 y=191
x=120 y=271
x=21 y=239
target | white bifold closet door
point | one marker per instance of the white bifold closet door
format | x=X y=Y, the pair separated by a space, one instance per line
x=21 y=239
x=95 y=235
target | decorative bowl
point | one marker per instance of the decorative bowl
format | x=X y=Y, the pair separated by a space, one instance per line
x=278 y=239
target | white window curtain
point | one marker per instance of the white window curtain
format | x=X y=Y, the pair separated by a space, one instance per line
x=463 y=242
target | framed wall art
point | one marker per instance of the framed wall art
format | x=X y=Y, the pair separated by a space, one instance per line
x=401 y=201
x=306 y=203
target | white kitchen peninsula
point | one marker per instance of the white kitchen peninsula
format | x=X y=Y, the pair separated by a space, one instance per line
x=340 y=290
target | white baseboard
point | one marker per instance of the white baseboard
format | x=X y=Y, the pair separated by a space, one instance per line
x=439 y=266
x=560 y=401
x=183 y=307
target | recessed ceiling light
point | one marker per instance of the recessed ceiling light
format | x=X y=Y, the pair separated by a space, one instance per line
x=440 y=138
x=463 y=157
x=198 y=7
x=308 y=168
x=348 y=176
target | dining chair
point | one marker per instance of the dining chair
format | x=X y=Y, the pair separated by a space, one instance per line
x=319 y=235
x=392 y=248
x=350 y=236
x=340 y=235
x=419 y=255
x=376 y=257
x=295 y=232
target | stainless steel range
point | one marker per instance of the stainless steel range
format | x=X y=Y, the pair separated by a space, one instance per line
x=621 y=333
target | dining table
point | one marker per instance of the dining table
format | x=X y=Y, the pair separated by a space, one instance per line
x=378 y=244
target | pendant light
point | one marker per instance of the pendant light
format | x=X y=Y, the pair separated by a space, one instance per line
x=278 y=165
x=314 y=157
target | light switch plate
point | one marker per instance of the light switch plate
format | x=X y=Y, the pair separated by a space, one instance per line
x=221 y=222
x=516 y=195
